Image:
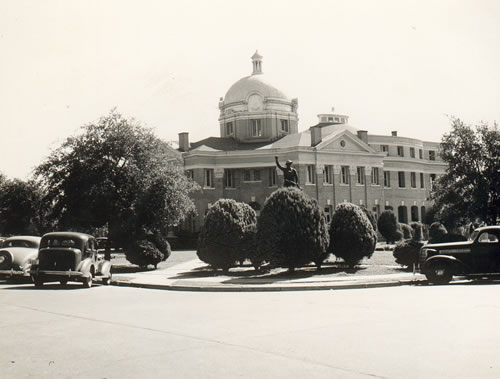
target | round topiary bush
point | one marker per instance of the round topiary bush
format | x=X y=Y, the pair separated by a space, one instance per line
x=406 y=252
x=407 y=231
x=144 y=253
x=291 y=230
x=388 y=226
x=437 y=233
x=352 y=237
x=227 y=234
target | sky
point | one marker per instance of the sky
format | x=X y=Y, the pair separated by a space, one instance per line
x=390 y=65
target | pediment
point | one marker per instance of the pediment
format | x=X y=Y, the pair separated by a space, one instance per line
x=344 y=142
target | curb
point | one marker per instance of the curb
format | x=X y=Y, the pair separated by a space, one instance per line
x=253 y=288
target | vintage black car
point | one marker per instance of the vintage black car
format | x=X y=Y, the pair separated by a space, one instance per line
x=477 y=257
x=65 y=256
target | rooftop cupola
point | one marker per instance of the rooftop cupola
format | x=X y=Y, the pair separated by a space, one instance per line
x=257 y=63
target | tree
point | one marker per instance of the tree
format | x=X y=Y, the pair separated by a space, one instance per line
x=352 y=236
x=20 y=207
x=226 y=236
x=470 y=188
x=116 y=174
x=406 y=252
x=291 y=230
x=388 y=226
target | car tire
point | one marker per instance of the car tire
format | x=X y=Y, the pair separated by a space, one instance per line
x=439 y=273
x=107 y=281
x=87 y=282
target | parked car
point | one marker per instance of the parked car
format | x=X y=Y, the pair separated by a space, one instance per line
x=16 y=255
x=477 y=257
x=69 y=256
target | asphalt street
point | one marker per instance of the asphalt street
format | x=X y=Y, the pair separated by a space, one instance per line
x=113 y=332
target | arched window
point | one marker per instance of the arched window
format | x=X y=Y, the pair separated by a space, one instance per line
x=403 y=214
x=414 y=213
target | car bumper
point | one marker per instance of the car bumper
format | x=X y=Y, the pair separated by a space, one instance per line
x=58 y=275
x=13 y=273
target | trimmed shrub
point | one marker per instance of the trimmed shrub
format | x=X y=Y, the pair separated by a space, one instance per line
x=291 y=230
x=352 y=237
x=417 y=231
x=225 y=233
x=437 y=233
x=406 y=252
x=388 y=226
x=407 y=231
x=370 y=216
x=144 y=253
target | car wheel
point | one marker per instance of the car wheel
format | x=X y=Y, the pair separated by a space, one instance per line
x=63 y=282
x=439 y=273
x=38 y=282
x=107 y=281
x=87 y=282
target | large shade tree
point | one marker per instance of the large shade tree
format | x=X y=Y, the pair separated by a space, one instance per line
x=116 y=174
x=20 y=207
x=470 y=187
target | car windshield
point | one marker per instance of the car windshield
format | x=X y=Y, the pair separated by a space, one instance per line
x=60 y=242
x=20 y=243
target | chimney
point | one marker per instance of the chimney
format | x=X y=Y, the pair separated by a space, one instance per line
x=363 y=135
x=394 y=133
x=184 y=141
x=315 y=135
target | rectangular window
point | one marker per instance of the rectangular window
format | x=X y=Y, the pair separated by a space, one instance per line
x=387 y=178
x=328 y=175
x=432 y=180
x=228 y=178
x=256 y=128
x=344 y=175
x=401 y=151
x=421 y=180
x=420 y=153
x=361 y=175
x=401 y=179
x=413 y=180
x=432 y=155
x=375 y=180
x=412 y=152
x=311 y=178
x=328 y=214
x=384 y=148
x=209 y=178
x=229 y=128
x=284 y=126
x=251 y=175
x=256 y=175
x=272 y=177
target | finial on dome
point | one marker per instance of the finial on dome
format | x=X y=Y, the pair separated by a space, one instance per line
x=257 y=63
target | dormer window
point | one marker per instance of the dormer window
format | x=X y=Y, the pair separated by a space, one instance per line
x=229 y=129
x=256 y=128
x=284 y=126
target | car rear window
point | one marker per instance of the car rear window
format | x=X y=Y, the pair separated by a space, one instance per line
x=19 y=243
x=59 y=242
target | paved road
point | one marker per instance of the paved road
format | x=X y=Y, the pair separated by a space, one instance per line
x=112 y=332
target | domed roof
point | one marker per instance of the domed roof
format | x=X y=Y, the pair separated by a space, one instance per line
x=240 y=90
x=256 y=82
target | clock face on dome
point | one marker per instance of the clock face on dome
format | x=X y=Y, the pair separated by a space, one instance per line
x=255 y=103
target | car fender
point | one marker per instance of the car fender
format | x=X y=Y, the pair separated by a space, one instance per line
x=85 y=266
x=104 y=268
x=456 y=263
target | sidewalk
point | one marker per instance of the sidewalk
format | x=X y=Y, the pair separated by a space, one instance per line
x=194 y=275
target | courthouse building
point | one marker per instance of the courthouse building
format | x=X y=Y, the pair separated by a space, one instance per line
x=336 y=162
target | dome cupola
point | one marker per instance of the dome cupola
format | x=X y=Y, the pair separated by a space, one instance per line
x=255 y=110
